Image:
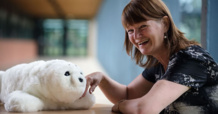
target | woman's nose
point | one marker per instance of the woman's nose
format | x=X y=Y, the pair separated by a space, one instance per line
x=137 y=34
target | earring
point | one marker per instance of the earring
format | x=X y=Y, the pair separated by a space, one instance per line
x=165 y=36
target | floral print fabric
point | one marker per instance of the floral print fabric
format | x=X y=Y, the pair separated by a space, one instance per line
x=195 y=68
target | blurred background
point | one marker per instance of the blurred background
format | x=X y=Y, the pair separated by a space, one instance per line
x=89 y=32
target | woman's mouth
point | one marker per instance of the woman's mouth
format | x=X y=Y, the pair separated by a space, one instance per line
x=143 y=42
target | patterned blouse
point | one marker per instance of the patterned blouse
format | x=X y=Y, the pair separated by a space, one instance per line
x=195 y=68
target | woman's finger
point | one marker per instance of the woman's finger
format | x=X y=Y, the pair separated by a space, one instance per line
x=87 y=86
x=92 y=88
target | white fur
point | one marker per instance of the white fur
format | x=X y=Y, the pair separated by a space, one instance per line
x=42 y=85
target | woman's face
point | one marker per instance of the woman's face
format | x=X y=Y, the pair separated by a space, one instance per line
x=147 y=36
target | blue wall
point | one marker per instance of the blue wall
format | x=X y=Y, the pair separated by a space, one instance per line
x=212 y=28
x=173 y=6
x=110 y=50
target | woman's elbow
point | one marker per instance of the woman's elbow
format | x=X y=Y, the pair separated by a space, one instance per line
x=142 y=109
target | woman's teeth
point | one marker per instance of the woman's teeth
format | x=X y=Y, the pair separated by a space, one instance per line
x=143 y=42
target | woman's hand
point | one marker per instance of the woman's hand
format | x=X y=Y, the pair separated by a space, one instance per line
x=92 y=80
x=116 y=107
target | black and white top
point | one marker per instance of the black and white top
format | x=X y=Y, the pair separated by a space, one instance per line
x=195 y=68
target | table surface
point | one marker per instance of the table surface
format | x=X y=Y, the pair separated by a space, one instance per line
x=96 y=109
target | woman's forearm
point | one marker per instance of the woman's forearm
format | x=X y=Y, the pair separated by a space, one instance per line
x=113 y=90
x=136 y=106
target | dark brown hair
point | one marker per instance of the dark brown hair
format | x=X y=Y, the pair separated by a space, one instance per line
x=137 y=11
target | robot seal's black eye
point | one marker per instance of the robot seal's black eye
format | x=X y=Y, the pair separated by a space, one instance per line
x=67 y=73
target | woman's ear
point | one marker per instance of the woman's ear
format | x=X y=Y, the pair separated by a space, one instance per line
x=166 y=23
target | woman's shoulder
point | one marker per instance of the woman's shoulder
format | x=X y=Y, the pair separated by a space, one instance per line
x=195 y=52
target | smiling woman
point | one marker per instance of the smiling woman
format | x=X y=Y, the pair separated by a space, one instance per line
x=144 y=35
x=176 y=68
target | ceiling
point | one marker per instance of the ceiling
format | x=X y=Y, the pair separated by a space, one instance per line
x=67 y=9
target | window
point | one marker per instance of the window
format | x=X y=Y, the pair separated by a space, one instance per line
x=14 y=25
x=55 y=42
x=77 y=37
x=191 y=19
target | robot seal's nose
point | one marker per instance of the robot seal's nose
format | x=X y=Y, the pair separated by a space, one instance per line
x=81 y=80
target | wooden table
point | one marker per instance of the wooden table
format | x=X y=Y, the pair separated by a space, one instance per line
x=96 y=109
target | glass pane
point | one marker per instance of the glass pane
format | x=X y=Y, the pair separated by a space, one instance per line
x=76 y=39
x=53 y=37
x=3 y=20
x=191 y=19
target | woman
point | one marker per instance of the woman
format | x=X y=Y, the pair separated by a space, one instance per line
x=179 y=76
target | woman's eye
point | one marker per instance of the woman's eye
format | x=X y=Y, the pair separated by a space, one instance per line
x=130 y=31
x=143 y=26
x=67 y=73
